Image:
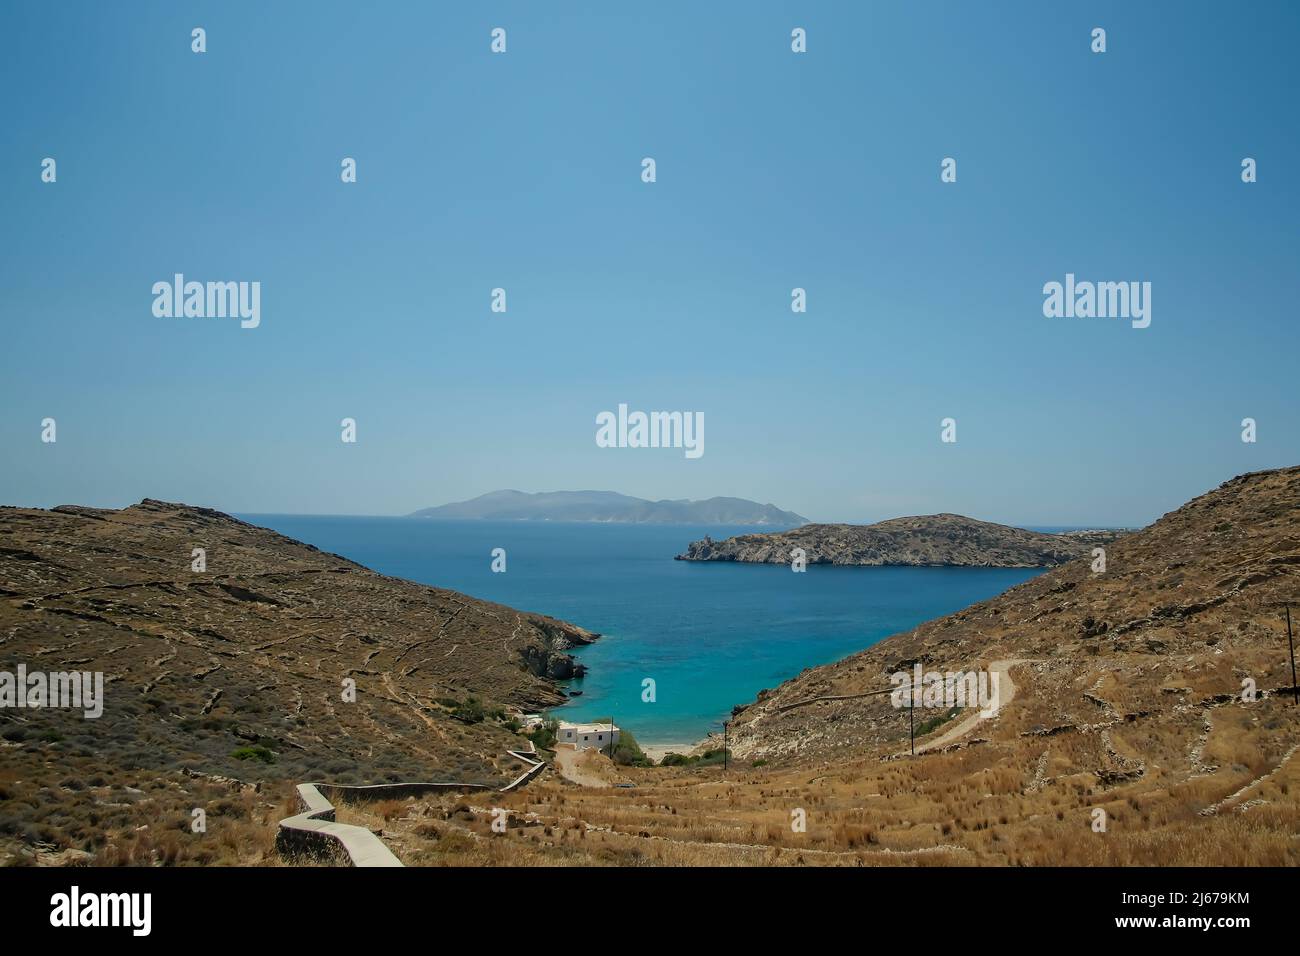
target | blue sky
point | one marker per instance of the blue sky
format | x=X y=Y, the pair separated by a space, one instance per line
x=522 y=171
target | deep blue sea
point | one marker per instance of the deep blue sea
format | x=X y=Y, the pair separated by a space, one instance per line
x=711 y=635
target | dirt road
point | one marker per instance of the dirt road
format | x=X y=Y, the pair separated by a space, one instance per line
x=1006 y=691
x=580 y=766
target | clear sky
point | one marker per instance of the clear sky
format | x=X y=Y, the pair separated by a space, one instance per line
x=522 y=170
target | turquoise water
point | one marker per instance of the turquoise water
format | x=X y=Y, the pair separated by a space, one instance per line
x=711 y=635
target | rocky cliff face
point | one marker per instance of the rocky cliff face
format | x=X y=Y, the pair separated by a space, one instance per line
x=929 y=540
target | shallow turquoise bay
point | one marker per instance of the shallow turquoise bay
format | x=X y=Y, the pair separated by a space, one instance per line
x=710 y=635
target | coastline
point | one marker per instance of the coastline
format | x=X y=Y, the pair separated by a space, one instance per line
x=656 y=752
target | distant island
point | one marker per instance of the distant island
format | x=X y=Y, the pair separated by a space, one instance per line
x=942 y=540
x=610 y=506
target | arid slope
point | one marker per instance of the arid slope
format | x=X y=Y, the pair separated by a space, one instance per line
x=251 y=656
x=1186 y=609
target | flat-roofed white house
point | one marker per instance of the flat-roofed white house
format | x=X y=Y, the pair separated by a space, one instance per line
x=584 y=736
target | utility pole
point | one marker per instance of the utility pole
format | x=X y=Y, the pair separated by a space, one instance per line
x=724 y=745
x=911 y=716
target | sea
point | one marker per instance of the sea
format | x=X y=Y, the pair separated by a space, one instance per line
x=708 y=635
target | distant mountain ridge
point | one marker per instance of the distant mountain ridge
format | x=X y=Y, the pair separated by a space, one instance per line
x=610 y=506
x=923 y=541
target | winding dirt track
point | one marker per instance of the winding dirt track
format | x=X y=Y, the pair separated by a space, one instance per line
x=1006 y=691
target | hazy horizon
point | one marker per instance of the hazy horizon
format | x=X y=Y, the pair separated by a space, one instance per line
x=412 y=513
x=522 y=171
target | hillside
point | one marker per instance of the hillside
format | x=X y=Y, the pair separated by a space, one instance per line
x=1126 y=741
x=927 y=540
x=1185 y=609
x=610 y=506
x=250 y=654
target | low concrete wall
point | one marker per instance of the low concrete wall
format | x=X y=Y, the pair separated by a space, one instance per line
x=391 y=791
x=315 y=830
x=527 y=757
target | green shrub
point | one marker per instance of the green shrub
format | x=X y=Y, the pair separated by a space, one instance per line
x=925 y=726
x=471 y=711
x=257 y=752
x=628 y=752
x=544 y=734
x=707 y=759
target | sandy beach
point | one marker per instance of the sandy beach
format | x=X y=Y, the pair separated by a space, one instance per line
x=656 y=751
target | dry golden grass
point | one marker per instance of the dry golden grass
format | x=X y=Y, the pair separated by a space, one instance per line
x=1016 y=801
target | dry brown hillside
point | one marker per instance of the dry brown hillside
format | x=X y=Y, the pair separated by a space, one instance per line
x=238 y=671
x=1185 y=610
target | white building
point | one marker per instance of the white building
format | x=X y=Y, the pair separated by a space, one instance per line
x=584 y=736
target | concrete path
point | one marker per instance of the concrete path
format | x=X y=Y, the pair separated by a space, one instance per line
x=315 y=829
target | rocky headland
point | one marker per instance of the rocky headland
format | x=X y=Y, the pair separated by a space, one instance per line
x=943 y=540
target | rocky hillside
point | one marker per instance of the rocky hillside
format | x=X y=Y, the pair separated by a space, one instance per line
x=925 y=541
x=1185 y=611
x=239 y=670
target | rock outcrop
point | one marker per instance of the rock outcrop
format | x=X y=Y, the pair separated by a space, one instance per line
x=945 y=540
